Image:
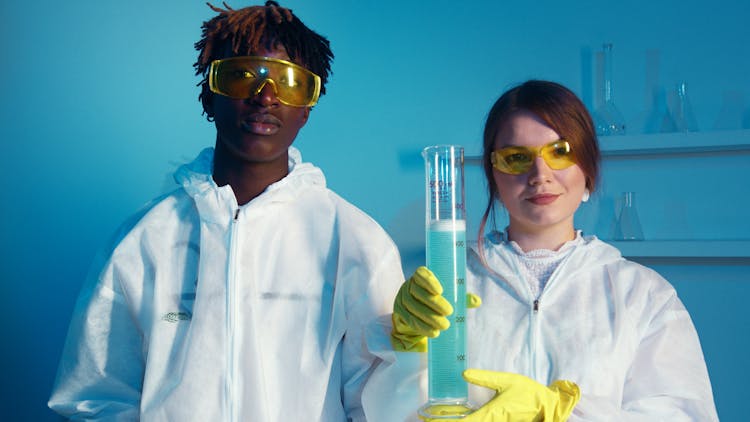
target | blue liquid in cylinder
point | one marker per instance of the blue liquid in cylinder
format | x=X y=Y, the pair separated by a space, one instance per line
x=446 y=258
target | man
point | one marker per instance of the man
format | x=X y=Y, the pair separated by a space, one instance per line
x=241 y=295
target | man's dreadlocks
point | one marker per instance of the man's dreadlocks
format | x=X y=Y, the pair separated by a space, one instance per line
x=260 y=27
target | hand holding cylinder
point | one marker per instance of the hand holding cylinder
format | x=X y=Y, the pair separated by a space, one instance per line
x=419 y=311
x=518 y=399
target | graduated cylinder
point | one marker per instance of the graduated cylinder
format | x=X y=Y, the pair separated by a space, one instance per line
x=446 y=257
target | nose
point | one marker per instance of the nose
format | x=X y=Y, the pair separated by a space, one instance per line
x=540 y=172
x=265 y=94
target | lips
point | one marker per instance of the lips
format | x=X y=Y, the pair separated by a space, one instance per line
x=261 y=124
x=543 y=198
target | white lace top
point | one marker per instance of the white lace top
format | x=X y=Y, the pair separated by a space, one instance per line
x=538 y=265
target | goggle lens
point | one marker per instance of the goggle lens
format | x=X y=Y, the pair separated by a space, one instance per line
x=245 y=76
x=518 y=160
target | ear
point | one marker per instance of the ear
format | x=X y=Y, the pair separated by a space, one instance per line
x=586 y=195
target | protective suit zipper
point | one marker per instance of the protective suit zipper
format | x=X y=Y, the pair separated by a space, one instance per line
x=231 y=320
x=534 y=333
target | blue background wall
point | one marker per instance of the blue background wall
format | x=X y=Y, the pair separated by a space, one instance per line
x=99 y=105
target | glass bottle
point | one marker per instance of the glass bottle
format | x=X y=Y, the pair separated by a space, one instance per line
x=607 y=117
x=628 y=225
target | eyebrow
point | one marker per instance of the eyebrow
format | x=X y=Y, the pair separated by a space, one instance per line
x=524 y=146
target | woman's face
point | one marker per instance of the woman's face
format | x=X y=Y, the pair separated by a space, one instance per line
x=541 y=200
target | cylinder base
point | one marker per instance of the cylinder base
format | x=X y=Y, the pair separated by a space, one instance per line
x=446 y=409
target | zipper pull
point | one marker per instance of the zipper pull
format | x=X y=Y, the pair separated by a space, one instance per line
x=236 y=214
x=536 y=305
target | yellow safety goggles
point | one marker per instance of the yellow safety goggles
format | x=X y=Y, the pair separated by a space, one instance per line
x=245 y=76
x=518 y=160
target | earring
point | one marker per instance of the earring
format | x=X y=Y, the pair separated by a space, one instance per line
x=586 y=195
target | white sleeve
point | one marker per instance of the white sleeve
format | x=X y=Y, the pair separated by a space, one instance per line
x=668 y=379
x=101 y=370
x=378 y=272
x=398 y=387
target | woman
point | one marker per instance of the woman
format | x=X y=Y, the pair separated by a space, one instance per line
x=557 y=305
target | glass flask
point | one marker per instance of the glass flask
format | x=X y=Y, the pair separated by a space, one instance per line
x=681 y=110
x=607 y=116
x=628 y=225
x=659 y=119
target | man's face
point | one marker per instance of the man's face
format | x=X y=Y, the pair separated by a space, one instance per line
x=258 y=129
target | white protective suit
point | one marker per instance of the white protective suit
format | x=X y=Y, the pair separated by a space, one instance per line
x=612 y=326
x=207 y=311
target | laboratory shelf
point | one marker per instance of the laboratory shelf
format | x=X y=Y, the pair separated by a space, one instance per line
x=738 y=250
x=675 y=143
x=643 y=146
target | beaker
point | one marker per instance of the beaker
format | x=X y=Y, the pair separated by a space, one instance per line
x=607 y=116
x=445 y=232
x=628 y=225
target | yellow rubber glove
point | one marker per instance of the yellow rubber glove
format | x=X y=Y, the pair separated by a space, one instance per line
x=420 y=311
x=520 y=399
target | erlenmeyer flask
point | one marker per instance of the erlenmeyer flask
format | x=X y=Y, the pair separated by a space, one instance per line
x=628 y=226
x=607 y=117
x=682 y=110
